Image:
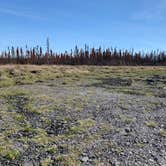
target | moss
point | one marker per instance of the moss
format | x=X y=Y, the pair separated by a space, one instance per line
x=6 y=93
x=52 y=150
x=5 y=82
x=25 y=78
x=72 y=102
x=140 y=145
x=162 y=133
x=126 y=119
x=7 y=150
x=19 y=100
x=11 y=130
x=82 y=126
x=118 y=150
x=30 y=108
x=19 y=117
x=86 y=123
x=46 y=162
x=42 y=138
x=11 y=154
x=67 y=160
x=151 y=124
x=28 y=129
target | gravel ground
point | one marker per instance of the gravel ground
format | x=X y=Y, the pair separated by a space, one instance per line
x=83 y=124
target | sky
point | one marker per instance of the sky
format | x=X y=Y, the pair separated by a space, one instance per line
x=125 y=24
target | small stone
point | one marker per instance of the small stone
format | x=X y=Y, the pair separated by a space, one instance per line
x=155 y=159
x=128 y=143
x=162 y=125
x=84 y=159
x=117 y=163
x=151 y=161
x=127 y=130
x=84 y=154
x=27 y=164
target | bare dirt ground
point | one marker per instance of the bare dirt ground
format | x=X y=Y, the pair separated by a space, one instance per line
x=83 y=115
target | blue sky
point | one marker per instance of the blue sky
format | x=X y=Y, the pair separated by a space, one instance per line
x=138 y=24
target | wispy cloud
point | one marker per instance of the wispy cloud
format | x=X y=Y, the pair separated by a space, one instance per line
x=24 y=14
x=153 y=10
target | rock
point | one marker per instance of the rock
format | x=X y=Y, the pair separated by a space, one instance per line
x=156 y=79
x=150 y=81
x=118 y=82
x=151 y=160
x=127 y=130
x=13 y=72
x=35 y=71
x=162 y=125
x=28 y=164
x=84 y=159
x=57 y=127
x=116 y=163
x=155 y=159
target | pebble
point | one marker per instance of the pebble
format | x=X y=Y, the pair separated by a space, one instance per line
x=84 y=159
x=127 y=130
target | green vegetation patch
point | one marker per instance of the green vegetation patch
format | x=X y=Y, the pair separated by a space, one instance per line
x=83 y=126
x=151 y=124
x=162 y=133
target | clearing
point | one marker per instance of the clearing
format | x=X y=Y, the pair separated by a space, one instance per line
x=82 y=115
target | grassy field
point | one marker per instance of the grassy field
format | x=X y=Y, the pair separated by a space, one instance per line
x=82 y=115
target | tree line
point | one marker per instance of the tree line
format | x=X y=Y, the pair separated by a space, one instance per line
x=86 y=56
